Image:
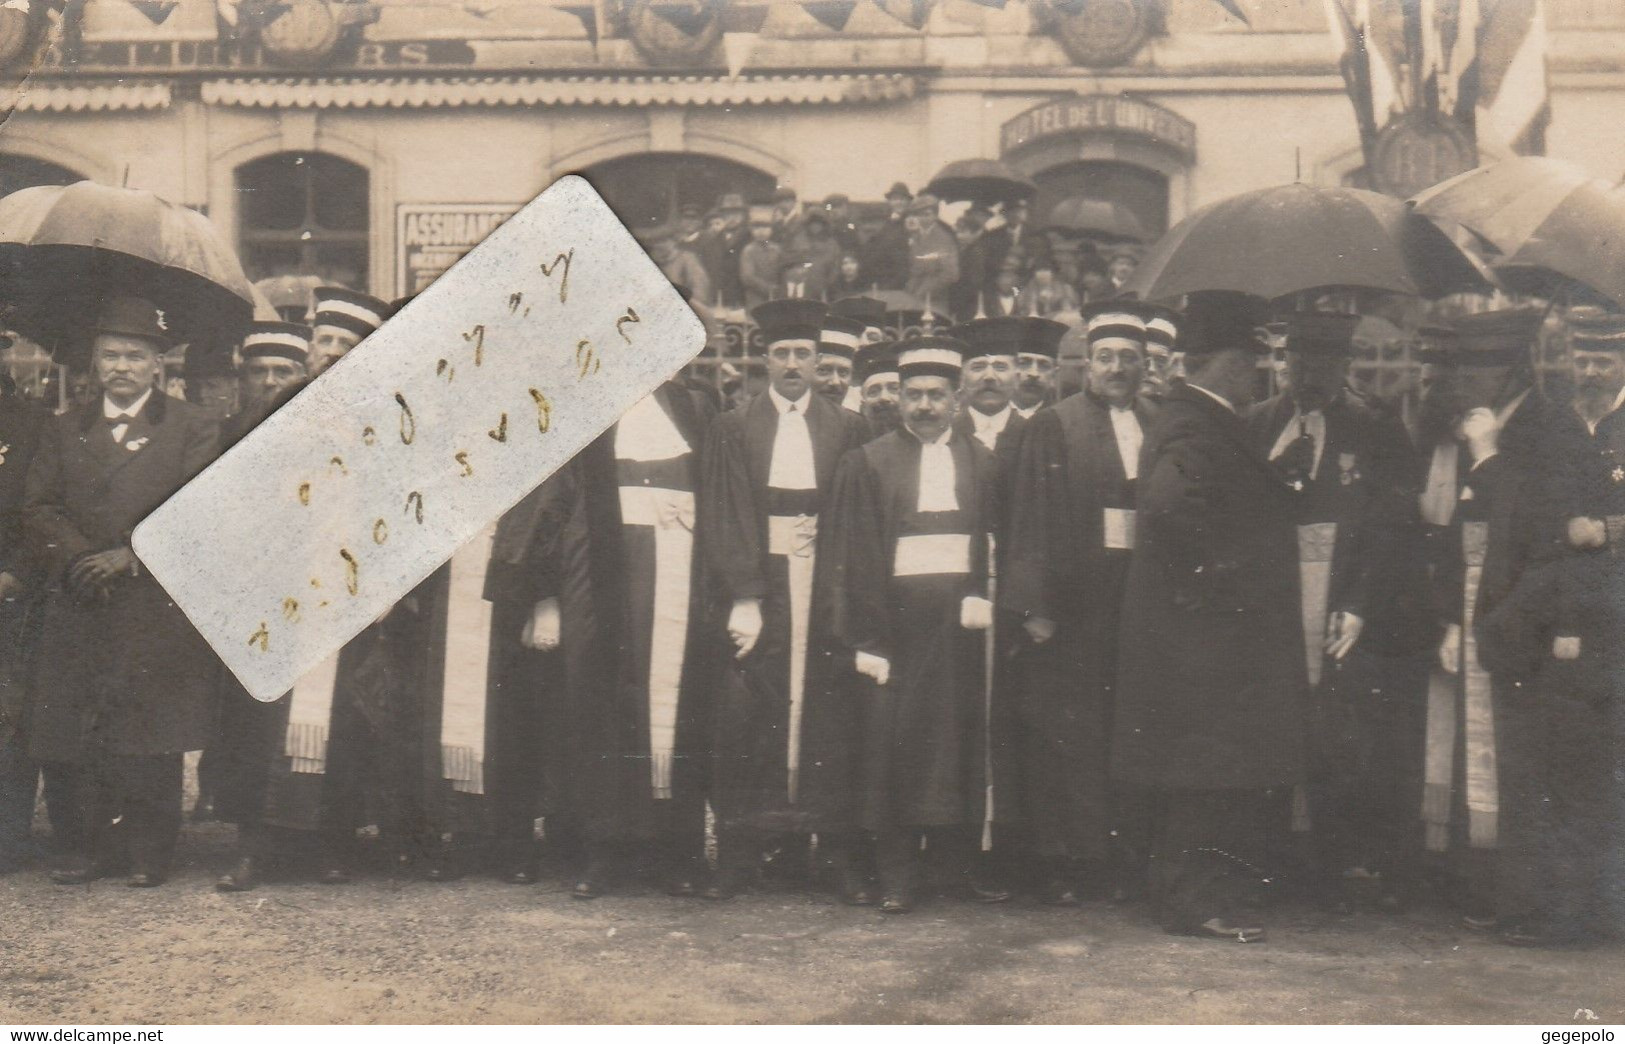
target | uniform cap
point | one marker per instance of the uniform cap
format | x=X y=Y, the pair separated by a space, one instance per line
x=283 y=340
x=790 y=319
x=934 y=356
x=349 y=310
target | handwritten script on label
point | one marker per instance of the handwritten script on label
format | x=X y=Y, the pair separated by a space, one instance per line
x=368 y=480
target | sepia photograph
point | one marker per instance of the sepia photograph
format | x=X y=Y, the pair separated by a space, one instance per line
x=643 y=513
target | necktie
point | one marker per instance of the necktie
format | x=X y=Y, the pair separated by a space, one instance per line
x=120 y=425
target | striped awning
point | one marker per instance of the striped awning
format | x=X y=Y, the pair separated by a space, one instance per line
x=36 y=96
x=449 y=92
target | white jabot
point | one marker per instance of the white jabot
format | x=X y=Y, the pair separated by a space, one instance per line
x=109 y=411
x=1220 y=399
x=1126 y=427
x=1027 y=412
x=937 y=475
x=988 y=426
x=792 y=466
x=1312 y=424
x=645 y=432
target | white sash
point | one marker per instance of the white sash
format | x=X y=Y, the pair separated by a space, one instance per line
x=931 y=554
x=468 y=652
x=1316 y=541
x=309 y=712
x=671 y=514
x=1117 y=528
x=796 y=538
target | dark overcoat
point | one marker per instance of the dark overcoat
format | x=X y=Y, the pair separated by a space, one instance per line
x=1212 y=687
x=128 y=676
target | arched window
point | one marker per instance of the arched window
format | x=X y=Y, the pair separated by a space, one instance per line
x=303 y=213
x=650 y=187
x=20 y=172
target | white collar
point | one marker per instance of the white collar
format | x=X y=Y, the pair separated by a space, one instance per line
x=1220 y=399
x=110 y=411
x=1027 y=413
x=996 y=421
x=783 y=405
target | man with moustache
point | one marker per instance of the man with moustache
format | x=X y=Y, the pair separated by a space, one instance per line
x=1071 y=538
x=1211 y=681
x=912 y=513
x=1482 y=419
x=1350 y=464
x=1036 y=365
x=876 y=374
x=1559 y=729
x=342 y=319
x=1161 y=329
x=123 y=681
x=838 y=342
x=769 y=469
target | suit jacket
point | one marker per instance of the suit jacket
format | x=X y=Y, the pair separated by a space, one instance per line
x=1212 y=683
x=127 y=675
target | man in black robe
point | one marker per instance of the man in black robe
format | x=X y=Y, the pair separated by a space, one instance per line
x=1481 y=436
x=1559 y=733
x=838 y=342
x=1070 y=539
x=626 y=598
x=912 y=514
x=1211 y=681
x=1036 y=366
x=1350 y=464
x=768 y=471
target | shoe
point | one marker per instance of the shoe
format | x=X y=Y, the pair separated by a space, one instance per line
x=586 y=888
x=1057 y=892
x=77 y=871
x=978 y=892
x=857 y=889
x=1219 y=928
x=898 y=902
x=520 y=875
x=438 y=871
x=335 y=875
x=242 y=877
x=144 y=879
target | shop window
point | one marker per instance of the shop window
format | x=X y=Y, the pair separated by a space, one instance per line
x=304 y=214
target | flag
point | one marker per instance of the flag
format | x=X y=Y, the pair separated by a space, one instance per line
x=1513 y=105
x=1382 y=32
x=1356 y=69
x=1234 y=10
x=833 y=13
x=1458 y=35
x=912 y=13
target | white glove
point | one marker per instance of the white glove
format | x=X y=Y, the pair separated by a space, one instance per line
x=1481 y=431
x=745 y=625
x=542 y=629
x=1039 y=629
x=1566 y=647
x=1342 y=631
x=975 y=614
x=1450 y=649
x=875 y=668
x=1586 y=533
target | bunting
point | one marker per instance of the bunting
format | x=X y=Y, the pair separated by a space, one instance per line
x=832 y=13
x=912 y=13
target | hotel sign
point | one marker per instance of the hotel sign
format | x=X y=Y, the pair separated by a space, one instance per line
x=1099 y=113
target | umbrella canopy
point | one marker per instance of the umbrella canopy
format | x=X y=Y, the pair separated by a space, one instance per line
x=1280 y=241
x=1098 y=219
x=981 y=181
x=293 y=296
x=65 y=248
x=1546 y=223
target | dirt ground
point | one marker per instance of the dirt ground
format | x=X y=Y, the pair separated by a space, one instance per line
x=479 y=951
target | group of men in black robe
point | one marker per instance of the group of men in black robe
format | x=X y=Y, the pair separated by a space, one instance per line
x=904 y=619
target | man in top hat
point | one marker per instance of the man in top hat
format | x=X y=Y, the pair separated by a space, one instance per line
x=769 y=470
x=1161 y=330
x=838 y=342
x=1036 y=365
x=1351 y=465
x=342 y=318
x=1071 y=538
x=877 y=381
x=933 y=253
x=1480 y=437
x=1211 y=678
x=761 y=261
x=1555 y=637
x=123 y=686
x=912 y=513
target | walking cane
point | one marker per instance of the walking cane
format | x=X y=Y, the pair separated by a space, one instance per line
x=990 y=656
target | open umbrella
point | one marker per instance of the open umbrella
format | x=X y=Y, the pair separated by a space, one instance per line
x=293 y=296
x=1098 y=219
x=65 y=248
x=1279 y=241
x=981 y=181
x=1546 y=222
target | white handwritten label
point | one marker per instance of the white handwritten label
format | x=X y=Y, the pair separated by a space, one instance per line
x=354 y=492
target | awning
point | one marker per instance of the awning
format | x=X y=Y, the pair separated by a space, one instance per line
x=440 y=92
x=57 y=97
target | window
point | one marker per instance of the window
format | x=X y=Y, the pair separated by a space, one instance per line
x=304 y=213
x=648 y=188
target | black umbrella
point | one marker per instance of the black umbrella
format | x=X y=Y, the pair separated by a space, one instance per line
x=981 y=181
